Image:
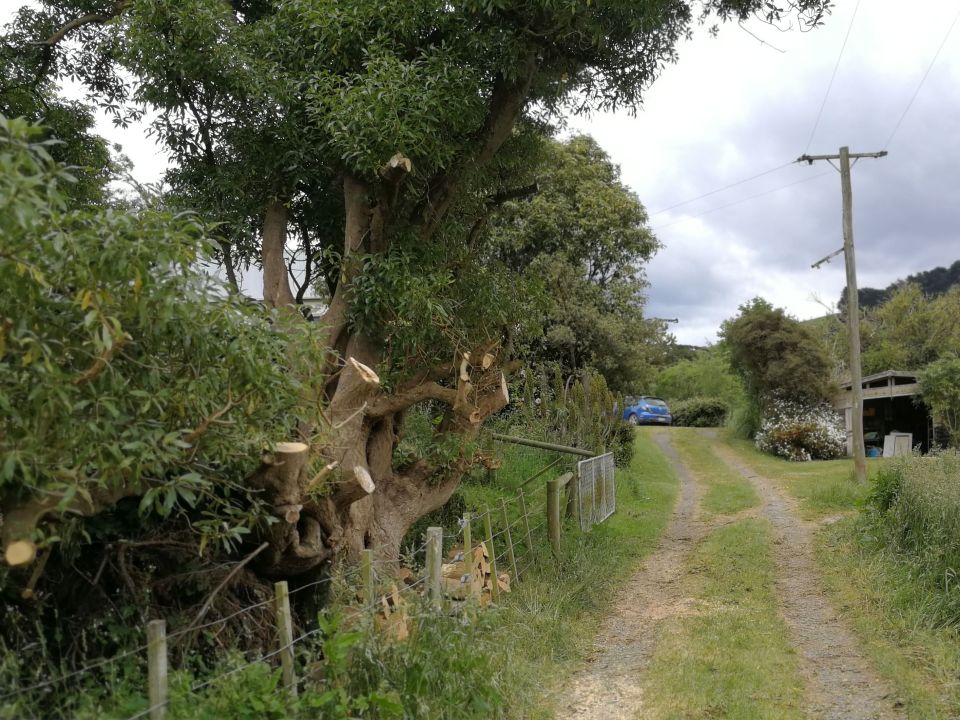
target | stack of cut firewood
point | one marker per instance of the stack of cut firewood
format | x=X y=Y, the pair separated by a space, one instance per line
x=471 y=577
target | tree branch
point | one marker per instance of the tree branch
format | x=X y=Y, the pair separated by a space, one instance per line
x=91 y=19
x=390 y=404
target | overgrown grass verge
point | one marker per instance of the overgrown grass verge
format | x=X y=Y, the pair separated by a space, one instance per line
x=888 y=574
x=499 y=662
x=547 y=625
x=891 y=608
x=726 y=490
x=726 y=653
x=823 y=487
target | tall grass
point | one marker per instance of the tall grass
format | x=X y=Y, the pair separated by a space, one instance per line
x=914 y=510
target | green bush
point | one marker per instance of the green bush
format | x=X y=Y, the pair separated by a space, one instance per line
x=700 y=412
x=744 y=419
x=122 y=363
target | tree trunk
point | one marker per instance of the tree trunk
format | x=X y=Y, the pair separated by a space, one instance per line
x=276 y=284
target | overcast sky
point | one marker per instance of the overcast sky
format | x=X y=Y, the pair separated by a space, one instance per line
x=732 y=108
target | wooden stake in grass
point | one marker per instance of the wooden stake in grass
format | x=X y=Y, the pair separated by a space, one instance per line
x=434 y=562
x=506 y=529
x=285 y=636
x=526 y=521
x=553 y=513
x=157 y=668
x=467 y=550
x=495 y=583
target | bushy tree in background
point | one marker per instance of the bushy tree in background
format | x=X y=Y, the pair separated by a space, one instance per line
x=940 y=389
x=581 y=239
x=911 y=330
x=775 y=355
x=778 y=359
x=707 y=375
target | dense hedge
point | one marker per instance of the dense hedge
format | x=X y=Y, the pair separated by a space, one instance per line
x=699 y=412
x=124 y=365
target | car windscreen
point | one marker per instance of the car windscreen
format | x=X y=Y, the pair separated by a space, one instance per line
x=655 y=402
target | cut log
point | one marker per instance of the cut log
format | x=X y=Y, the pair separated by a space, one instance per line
x=487 y=362
x=365 y=374
x=396 y=168
x=289 y=513
x=465 y=368
x=357 y=486
x=19 y=553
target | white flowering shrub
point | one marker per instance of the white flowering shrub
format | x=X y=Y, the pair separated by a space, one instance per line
x=802 y=432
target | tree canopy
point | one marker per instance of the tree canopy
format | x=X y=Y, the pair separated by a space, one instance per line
x=776 y=356
x=581 y=241
x=369 y=140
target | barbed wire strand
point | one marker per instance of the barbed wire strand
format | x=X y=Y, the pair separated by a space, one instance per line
x=75 y=673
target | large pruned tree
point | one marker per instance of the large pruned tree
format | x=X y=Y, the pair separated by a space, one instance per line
x=372 y=137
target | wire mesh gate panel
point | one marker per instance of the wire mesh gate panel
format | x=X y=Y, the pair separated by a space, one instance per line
x=596 y=490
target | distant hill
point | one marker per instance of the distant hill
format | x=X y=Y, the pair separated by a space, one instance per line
x=932 y=282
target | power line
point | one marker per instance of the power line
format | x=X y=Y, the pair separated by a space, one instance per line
x=749 y=197
x=922 y=80
x=721 y=189
x=833 y=75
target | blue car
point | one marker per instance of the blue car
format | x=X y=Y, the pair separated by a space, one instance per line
x=646 y=410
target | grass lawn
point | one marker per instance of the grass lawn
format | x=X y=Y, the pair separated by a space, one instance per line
x=823 y=487
x=726 y=490
x=728 y=656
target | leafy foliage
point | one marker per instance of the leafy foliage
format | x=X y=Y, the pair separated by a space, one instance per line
x=700 y=412
x=776 y=356
x=800 y=432
x=122 y=366
x=940 y=389
x=581 y=240
x=706 y=375
x=911 y=330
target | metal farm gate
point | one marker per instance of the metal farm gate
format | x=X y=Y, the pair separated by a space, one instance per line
x=596 y=490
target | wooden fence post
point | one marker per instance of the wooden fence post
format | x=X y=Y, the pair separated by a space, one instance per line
x=553 y=513
x=285 y=636
x=434 y=561
x=526 y=521
x=495 y=585
x=467 y=554
x=157 y=668
x=366 y=576
x=506 y=528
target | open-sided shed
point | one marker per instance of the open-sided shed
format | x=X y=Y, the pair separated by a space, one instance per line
x=890 y=405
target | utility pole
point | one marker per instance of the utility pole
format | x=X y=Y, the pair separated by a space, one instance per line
x=853 y=300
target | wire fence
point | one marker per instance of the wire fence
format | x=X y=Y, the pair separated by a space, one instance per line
x=507 y=537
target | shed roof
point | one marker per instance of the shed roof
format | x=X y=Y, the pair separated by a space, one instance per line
x=912 y=374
